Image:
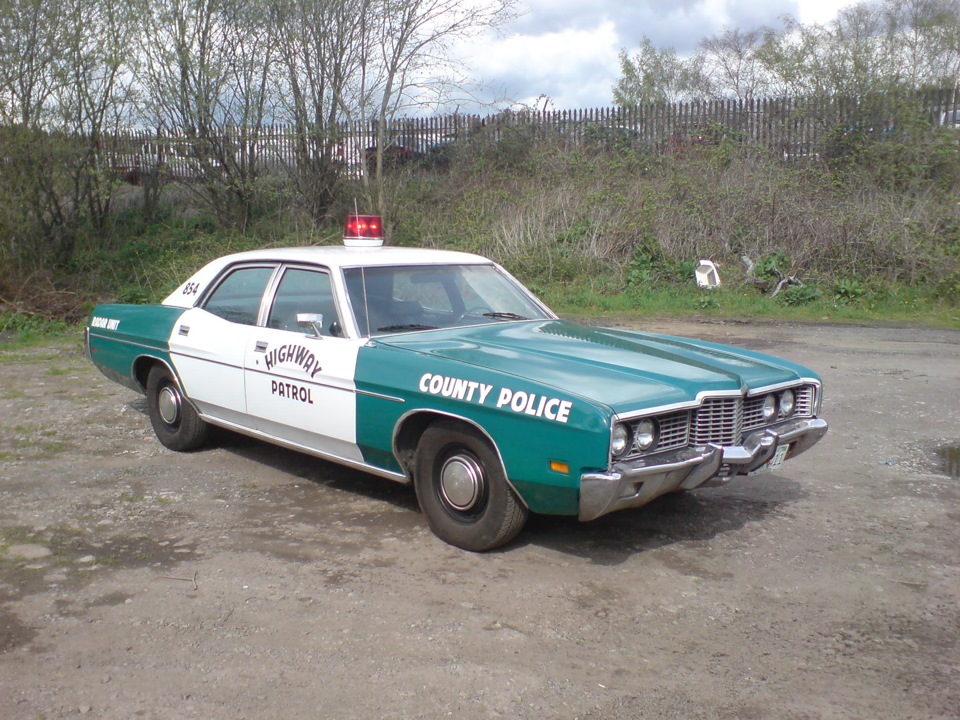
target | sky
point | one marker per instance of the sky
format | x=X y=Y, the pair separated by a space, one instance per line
x=567 y=50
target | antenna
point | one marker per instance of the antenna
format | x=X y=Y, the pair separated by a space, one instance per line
x=366 y=310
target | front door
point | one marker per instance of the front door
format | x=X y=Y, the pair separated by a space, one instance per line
x=299 y=372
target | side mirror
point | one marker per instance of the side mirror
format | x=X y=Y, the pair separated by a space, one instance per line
x=311 y=320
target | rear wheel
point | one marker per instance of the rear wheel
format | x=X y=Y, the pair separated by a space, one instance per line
x=463 y=491
x=174 y=420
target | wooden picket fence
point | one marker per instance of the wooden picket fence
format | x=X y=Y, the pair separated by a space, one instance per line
x=792 y=128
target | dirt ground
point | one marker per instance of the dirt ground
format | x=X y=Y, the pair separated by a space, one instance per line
x=246 y=581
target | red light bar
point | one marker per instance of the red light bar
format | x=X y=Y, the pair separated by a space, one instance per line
x=363 y=226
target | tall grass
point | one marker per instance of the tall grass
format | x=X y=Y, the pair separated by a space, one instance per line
x=872 y=231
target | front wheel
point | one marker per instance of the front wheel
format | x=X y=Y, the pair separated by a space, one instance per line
x=174 y=420
x=463 y=491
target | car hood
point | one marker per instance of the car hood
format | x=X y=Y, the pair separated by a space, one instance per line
x=623 y=370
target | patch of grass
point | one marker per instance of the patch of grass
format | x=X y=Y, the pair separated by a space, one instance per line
x=49 y=448
x=19 y=329
x=895 y=306
x=57 y=371
x=20 y=535
x=133 y=497
x=44 y=348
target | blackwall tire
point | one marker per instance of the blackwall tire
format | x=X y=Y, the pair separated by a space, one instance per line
x=462 y=489
x=174 y=420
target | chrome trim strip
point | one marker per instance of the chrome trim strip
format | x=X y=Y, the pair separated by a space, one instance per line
x=744 y=392
x=685 y=405
x=161 y=347
x=243 y=430
x=174 y=353
x=780 y=386
x=379 y=396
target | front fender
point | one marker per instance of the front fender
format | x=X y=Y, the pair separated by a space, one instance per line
x=545 y=436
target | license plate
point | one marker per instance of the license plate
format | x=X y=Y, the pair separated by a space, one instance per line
x=776 y=461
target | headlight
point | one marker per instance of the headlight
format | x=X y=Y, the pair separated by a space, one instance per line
x=620 y=439
x=646 y=436
x=769 y=407
x=788 y=403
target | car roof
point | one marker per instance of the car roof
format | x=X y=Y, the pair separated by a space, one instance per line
x=333 y=257
x=339 y=256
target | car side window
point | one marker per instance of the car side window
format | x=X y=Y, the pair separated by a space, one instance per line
x=305 y=291
x=237 y=298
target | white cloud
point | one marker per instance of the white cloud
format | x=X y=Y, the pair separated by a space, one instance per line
x=572 y=66
x=567 y=49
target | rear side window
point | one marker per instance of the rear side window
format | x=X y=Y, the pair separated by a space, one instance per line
x=237 y=297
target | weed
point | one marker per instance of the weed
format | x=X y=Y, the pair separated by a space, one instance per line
x=848 y=290
x=800 y=295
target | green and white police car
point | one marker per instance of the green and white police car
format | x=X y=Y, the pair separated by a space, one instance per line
x=440 y=370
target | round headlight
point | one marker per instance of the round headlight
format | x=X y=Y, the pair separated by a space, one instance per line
x=769 y=407
x=788 y=403
x=646 y=436
x=620 y=439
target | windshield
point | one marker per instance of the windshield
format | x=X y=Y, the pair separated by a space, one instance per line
x=426 y=297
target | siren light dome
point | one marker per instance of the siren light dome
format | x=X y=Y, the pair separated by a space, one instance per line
x=363 y=231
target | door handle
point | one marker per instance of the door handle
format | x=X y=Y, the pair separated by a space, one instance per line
x=261 y=346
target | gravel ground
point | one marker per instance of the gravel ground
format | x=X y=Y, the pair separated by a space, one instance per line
x=246 y=581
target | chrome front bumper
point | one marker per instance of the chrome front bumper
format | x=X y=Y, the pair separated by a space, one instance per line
x=637 y=482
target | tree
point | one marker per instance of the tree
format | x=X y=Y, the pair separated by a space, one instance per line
x=93 y=95
x=792 y=59
x=654 y=75
x=407 y=64
x=320 y=46
x=929 y=39
x=206 y=73
x=66 y=78
x=29 y=37
x=730 y=65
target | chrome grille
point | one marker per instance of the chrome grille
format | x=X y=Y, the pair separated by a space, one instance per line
x=722 y=421
x=753 y=412
x=718 y=420
x=806 y=396
x=674 y=431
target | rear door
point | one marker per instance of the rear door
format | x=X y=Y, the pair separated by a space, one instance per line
x=208 y=342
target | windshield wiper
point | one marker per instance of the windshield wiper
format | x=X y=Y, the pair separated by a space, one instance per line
x=408 y=326
x=505 y=316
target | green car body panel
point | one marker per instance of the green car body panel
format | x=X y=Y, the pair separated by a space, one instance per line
x=121 y=335
x=526 y=442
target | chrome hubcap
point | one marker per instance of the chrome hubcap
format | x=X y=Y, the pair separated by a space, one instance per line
x=461 y=482
x=168 y=403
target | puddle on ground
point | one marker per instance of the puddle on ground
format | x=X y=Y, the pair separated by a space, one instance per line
x=950 y=460
x=74 y=559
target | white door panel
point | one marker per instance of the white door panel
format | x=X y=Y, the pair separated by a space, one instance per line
x=300 y=389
